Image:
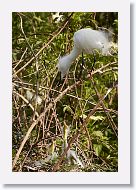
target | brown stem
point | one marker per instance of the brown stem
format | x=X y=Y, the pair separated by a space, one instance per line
x=39 y=118
x=86 y=121
x=45 y=46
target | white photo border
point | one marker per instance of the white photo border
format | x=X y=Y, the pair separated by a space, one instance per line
x=6 y=174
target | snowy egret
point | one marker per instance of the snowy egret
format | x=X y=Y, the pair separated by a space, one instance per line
x=71 y=154
x=30 y=96
x=87 y=41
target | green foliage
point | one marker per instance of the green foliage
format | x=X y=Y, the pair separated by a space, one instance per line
x=97 y=144
x=97 y=149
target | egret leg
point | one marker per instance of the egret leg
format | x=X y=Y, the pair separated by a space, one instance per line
x=81 y=67
x=61 y=82
x=94 y=57
x=64 y=82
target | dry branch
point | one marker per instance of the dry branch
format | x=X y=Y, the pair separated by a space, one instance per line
x=45 y=46
x=114 y=127
x=26 y=101
x=39 y=118
x=57 y=165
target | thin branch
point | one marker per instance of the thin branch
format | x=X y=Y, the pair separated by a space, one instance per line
x=86 y=121
x=114 y=127
x=21 y=59
x=60 y=96
x=45 y=46
x=36 y=65
x=26 y=101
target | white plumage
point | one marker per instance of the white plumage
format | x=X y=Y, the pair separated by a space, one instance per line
x=85 y=40
x=30 y=96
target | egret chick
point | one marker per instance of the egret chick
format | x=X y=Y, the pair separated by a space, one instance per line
x=87 y=41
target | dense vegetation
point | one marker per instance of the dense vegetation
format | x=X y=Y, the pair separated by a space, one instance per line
x=49 y=112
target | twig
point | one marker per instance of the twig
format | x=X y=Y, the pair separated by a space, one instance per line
x=26 y=101
x=21 y=59
x=82 y=109
x=70 y=95
x=21 y=166
x=39 y=118
x=114 y=127
x=86 y=121
x=103 y=67
x=45 y=46
x=36 y=65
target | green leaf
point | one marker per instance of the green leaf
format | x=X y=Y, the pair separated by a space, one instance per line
x=98 y=133
x=95 y=118
x=68 y=109
x=97 y=149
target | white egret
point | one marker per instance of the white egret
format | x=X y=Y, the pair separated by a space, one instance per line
x=71 y=154
x=87 y=41
x=30 y=96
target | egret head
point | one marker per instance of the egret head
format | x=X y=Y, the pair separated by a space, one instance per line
x=64 y=65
